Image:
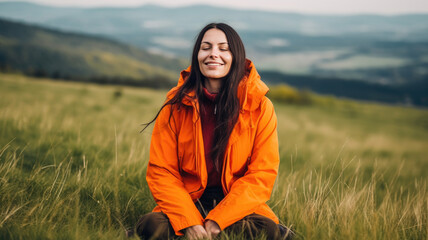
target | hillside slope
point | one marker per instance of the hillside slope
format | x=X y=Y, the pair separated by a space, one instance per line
x=412 y=93
x=43 y=52
x=73 y=160
x=374 y=48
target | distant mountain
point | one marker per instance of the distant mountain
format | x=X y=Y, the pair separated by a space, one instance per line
x=33 y=13
x=179 y=19
x=414 y=94
x=387 y=60
x=389 y=50
x=44 y=52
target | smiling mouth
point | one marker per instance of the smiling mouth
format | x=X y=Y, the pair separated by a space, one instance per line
x=213 y=64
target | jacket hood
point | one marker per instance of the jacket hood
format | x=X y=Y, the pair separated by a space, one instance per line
x=251 y=89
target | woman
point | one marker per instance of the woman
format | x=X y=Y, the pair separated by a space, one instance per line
x=214 y=149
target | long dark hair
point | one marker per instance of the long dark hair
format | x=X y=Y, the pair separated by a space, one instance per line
x=227 y=98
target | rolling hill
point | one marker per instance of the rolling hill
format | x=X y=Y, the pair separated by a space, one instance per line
x=39 y=51
x=389 y=50
x=410 y=94
x=73 y=161
x=43 y=52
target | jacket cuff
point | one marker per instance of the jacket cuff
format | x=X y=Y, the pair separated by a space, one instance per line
x=184 y=223
x=221 y=223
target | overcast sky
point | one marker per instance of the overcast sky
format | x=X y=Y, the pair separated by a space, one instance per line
x=301 y=6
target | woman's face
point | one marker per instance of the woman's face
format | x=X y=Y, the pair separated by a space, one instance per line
x=214 y=56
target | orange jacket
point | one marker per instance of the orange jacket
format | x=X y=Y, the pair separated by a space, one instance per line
x=177 y=175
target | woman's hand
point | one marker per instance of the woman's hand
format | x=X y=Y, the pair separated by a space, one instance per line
x=212 y=229
x=196 y=232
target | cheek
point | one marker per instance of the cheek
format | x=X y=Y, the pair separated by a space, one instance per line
x=201 y=56
x=229 y=58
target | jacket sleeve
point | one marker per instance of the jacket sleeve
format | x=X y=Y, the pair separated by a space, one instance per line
x=255 y=187
x=163 y=175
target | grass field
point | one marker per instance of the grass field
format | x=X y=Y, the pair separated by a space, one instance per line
x=72 y=164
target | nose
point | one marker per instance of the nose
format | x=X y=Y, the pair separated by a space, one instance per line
x=214 y=52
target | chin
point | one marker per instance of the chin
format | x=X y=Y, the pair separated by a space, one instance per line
x=214 y=75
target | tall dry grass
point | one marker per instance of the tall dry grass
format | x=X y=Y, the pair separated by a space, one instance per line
x=72 y=164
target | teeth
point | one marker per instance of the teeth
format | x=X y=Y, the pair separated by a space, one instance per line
x=213 y=64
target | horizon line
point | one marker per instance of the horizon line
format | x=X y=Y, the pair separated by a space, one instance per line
x=110 y=6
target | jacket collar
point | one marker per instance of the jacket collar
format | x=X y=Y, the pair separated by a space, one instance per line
x=250 y=90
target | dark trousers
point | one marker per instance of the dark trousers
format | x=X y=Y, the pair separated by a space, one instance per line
x=156 y=225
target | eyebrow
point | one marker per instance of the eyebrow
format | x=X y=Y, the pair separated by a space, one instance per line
x=218 y=43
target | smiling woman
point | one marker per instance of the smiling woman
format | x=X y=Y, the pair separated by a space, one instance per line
x=214 y=149
x=214 y=59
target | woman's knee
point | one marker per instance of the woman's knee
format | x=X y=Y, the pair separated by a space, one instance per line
x=254 y=225
x=154 y=225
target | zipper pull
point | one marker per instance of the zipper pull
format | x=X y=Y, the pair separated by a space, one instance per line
x=215 y=109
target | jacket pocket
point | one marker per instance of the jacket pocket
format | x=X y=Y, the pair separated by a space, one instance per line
x=239 y=162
